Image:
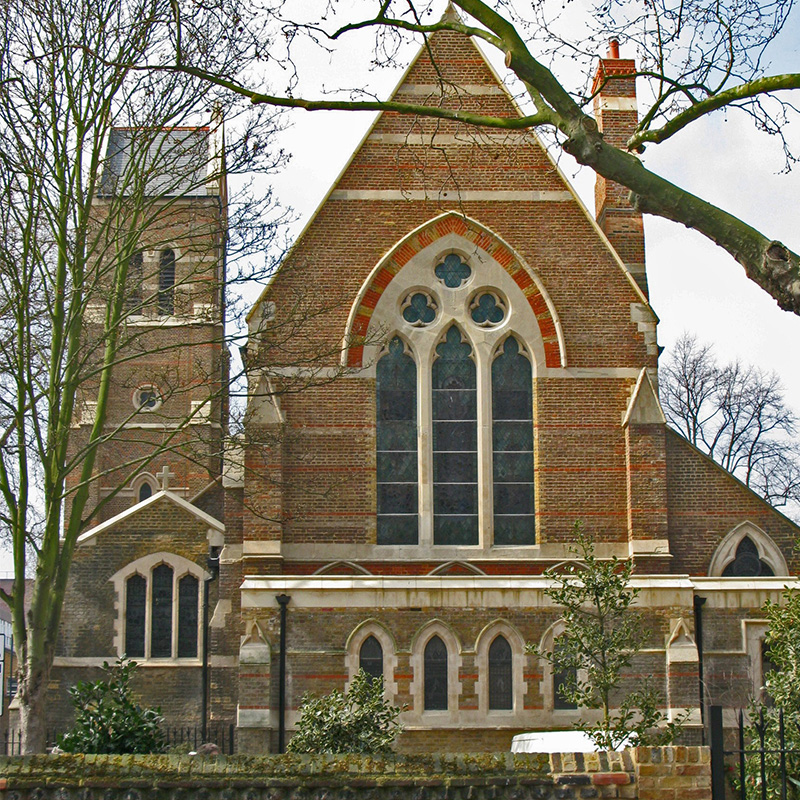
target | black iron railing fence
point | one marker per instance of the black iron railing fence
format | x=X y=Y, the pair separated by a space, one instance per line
x=765 y=761
x=181 y=739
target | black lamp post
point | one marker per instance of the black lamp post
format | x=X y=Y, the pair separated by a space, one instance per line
x=213 y=567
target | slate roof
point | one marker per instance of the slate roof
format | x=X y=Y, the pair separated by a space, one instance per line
x=175 y=162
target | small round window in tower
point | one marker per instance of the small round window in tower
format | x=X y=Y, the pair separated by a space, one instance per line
x=452 y=271
x=487 y=309
x=419 y=309
x=147 y=398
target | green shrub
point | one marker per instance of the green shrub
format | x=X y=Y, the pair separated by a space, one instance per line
x=107 y=718
x=361 y=721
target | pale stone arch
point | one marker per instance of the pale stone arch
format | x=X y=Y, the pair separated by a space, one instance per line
x=144 y=567
x=367 y=628
x=453 y=566
x=400 y=270
x=342 y=568
x=768 y=551
x=516 y=641
x=436 y=627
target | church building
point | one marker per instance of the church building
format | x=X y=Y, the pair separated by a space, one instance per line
x=455 y=364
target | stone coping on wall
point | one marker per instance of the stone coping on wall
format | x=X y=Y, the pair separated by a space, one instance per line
x=647 y=773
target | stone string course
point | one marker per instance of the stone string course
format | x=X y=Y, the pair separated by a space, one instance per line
x=669 y=773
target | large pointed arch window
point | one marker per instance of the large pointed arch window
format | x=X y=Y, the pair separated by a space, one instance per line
x=455 y=442
x=512 y=446
x=396 y=430
x=454 y=405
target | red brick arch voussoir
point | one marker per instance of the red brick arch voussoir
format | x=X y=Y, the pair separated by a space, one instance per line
x=481 y=237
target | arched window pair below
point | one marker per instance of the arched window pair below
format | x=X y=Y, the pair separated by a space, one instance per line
x=454 y=421
x=161 y=614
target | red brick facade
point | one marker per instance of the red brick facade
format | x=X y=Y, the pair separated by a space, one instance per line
x=300 y=513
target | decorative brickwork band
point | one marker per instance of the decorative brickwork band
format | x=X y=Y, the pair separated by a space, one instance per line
x=492 y=245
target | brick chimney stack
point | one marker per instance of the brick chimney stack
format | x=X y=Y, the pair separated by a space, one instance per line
x=617 y=116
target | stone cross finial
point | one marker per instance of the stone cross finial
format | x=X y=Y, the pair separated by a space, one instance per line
x=165 y=476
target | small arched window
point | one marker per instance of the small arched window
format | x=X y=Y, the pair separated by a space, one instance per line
x=145 y=491
x=435 y=666
x=133 y=297
x=370 y=657
x=501 y=696
x=158 y=605
x=166 y=282
x=747 y=562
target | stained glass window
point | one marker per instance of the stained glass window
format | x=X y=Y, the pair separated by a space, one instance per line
x=455 y=443
x=396 y=432
x=747 y=563
x=512 y=445
x=370 y=657
x=452 y=271
x=187 y=616
x=135 y=609
x=419 y=309
x=500 y=676
x=561 y=678
x=161 y=612
x=145 y=491
x=487 y=309
x=166 y=282
x=435 y=659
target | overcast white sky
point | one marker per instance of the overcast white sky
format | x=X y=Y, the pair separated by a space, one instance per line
x=694 y=285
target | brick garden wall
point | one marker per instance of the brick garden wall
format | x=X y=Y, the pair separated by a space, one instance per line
x=679 y=773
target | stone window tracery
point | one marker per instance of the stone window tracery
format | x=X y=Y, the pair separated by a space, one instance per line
x=159 y=598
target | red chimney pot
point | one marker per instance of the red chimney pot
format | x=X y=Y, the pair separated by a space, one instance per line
x=613 y=48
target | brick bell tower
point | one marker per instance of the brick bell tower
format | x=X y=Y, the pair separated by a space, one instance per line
x=616 y=112
x=169 y=385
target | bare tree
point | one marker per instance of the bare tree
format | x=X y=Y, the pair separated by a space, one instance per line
x=735 y=413
x=697 y=57
x=98 y=163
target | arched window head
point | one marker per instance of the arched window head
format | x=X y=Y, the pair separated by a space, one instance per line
x=501 y=695
x=747 y=563
x=435 y=666
x=370 y=657
x=145 y=491
x=166 y=282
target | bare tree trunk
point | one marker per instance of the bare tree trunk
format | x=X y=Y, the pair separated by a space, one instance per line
x=32 y=691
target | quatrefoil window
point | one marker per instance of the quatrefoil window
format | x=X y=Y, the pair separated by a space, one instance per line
x=487 y=309
x=419 y=309
x=452 y=272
